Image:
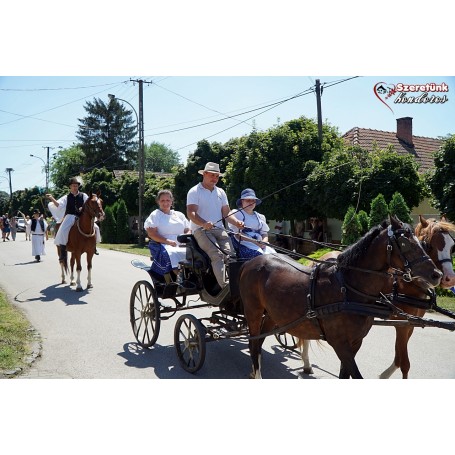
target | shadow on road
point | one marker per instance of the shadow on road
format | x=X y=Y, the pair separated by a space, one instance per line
x=54 y=293
x=225 y=359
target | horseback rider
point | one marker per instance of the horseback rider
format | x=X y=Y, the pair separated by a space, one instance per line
x=72 y=203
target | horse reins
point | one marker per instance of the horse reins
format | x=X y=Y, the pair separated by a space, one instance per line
x=92 y=214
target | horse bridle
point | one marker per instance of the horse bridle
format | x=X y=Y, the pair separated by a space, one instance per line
x=400 y=240
x=93 y=213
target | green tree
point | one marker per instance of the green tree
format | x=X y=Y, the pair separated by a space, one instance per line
x=379 y=210
x=103 y=181
x=107 y=135
x=109 y=226
x=399 y=209
x=364 y=221
x=160 y=157
x=187 y=176
x=66 y=163
x=123 y=234
x=441 y=181
x=276 y=163
x=352 y=176
x=351 y=229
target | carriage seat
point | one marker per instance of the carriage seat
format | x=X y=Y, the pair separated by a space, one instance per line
x=196 y=257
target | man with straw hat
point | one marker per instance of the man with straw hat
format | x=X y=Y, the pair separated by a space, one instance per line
x=207 y=207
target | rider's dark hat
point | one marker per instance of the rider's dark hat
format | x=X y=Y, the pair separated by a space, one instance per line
x=74 y=180
x=36 y=211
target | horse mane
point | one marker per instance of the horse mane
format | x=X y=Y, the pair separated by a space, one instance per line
x=354 y=252
x=434 y=226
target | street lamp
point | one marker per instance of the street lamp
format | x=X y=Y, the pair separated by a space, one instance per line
x=46 y=169
x=140 y=129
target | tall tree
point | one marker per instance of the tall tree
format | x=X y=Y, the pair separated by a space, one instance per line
x=107 y=135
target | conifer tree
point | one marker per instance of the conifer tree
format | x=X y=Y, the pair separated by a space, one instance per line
x=398 y=208
x=351 y=227
x=109 y=226
x=123 y=231
x=364 y=221
x=379 y=210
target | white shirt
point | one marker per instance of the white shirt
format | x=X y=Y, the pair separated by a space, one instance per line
x=169 y=225
x=255 y=221
x=209 y=204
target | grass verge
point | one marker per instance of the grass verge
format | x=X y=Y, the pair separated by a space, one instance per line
x=16 y=338
x=125 y=248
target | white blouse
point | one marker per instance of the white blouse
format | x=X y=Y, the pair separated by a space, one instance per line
x=168 y=225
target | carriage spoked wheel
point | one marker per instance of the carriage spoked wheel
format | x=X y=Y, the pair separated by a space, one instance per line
x=189 y=341
x=286 y=340
x=145 y=314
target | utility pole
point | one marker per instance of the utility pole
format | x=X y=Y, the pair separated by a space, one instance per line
x=47 y=169
x=141 y=159
x=9 y=170
x=318 y=100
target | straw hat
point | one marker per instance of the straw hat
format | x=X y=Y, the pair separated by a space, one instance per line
x=211 y=167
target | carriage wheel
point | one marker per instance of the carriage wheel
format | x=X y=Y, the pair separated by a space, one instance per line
x=189 y=341
x=145 y=314
x=286 y=340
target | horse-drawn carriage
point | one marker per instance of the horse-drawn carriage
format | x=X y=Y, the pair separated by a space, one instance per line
x=271 y=295
x=191 y=334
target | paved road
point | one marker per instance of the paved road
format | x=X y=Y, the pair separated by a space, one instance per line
x=88 y=335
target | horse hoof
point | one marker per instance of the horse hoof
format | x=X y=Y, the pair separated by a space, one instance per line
x=90 y=286
x=308 y=370
x=79 y=289
x=72 y=283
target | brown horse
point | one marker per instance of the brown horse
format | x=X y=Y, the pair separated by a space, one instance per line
x=335 y=302
x=82 y=239
x=439 y=244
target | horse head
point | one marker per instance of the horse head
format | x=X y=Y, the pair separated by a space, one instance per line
x=437 y=240
x=406 y=254
x=94 y=206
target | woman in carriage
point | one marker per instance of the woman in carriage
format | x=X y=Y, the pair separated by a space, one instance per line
x=251 y=241
x=163 y=227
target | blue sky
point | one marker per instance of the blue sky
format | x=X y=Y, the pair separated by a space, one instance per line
x=40 y=112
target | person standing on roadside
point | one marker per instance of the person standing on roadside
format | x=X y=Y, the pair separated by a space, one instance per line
x=6 y=229
x=39 y=235
x=13 y=227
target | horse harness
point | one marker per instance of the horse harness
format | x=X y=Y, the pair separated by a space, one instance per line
x=382 y=307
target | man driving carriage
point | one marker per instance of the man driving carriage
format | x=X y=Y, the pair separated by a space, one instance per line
x=207 y=207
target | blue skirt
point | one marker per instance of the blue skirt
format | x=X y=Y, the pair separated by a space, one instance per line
x=242 y=251
x=161 y=262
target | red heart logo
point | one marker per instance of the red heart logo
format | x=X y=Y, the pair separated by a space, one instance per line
x=384 y=91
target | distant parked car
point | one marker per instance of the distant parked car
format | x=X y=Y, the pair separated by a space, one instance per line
x=20 y=225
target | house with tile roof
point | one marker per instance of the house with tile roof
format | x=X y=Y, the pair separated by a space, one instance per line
x=403 y=142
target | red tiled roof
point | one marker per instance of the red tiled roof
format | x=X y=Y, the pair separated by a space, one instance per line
x=423 y=147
